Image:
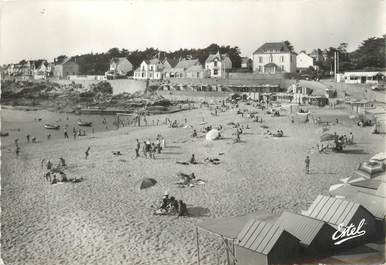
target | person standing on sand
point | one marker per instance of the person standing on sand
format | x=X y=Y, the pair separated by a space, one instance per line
x=307 y=161
x=65 y=133
x=17 y=151
x=87 y=152
x=138 y=145
x=28 y=138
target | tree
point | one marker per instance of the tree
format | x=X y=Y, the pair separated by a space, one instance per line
x=371 y=53
x=114 y=52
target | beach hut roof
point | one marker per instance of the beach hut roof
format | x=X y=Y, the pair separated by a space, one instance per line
x=259 y=236
x=374 y=204
x=303 y=227
x=332 y=210
x=230 y=227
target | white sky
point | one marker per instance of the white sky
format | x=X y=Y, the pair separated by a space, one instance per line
x=46 y=29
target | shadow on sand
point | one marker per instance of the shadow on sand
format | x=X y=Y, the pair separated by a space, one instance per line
x=198 y=211
x=354 y=152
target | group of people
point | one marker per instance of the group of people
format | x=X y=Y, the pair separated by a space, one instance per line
x=170 y=206
x=149 y=149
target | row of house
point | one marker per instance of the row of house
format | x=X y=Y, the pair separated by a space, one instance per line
x=42 y=69
x=271 y=57
x=216 y=66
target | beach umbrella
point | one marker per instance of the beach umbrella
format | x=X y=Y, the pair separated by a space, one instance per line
x=370 y=169
x=327 y=137
x=212 y=135
x=146 y=183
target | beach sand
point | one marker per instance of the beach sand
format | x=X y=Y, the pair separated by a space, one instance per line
x=106 y=220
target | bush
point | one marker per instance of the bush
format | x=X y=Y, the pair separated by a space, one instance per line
x=103 y=87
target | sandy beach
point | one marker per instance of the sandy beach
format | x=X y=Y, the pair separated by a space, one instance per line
x=106 y=219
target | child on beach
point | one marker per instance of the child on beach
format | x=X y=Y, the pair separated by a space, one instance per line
x=307 y=162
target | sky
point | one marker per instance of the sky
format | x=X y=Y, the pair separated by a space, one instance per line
x=46 y=29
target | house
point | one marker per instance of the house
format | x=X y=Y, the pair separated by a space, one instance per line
x=362 y=77
x=218 y=65
x=42 y=69
x=66 y=67
x=261 y=243
x=343 y=213
x=149 y=69
x=119 y=66
x=304 y=61
x=274 y=57
x=315 y=235
x=246 y=63
x=186 y=68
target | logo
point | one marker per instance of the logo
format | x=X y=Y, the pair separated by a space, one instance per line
x=345 y=233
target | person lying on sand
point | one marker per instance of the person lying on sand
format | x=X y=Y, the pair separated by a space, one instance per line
x=214 y=161
x=117 y=153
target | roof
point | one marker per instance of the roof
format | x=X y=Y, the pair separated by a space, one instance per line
x=230 y=227
x=186 y=63
x=273 y=47
x=374 y=204
x=119 y=59
x=259 y=236
x=332 y=210
x=217 y=55
x=172 y=62
x=303 y=227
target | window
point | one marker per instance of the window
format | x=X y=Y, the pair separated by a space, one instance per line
x=281 y=59
x=215 y=63
x=260 y=59
x=215 y=72
x=282 y=67
x=259 y=69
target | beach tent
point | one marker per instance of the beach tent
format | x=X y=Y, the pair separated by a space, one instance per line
x=370 y=169
x=212 y=135
x=336 y=211
x=146 y=183
x=266 y=243
x=314 y=235
x=227 y=229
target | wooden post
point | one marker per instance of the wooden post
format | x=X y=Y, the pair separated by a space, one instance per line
x=198 y=247
x=234 y=252
x=227 y=249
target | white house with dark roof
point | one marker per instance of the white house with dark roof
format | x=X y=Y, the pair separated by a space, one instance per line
x=119 y=66
x=218 y=64
x=274 y=57
x=149 y=69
